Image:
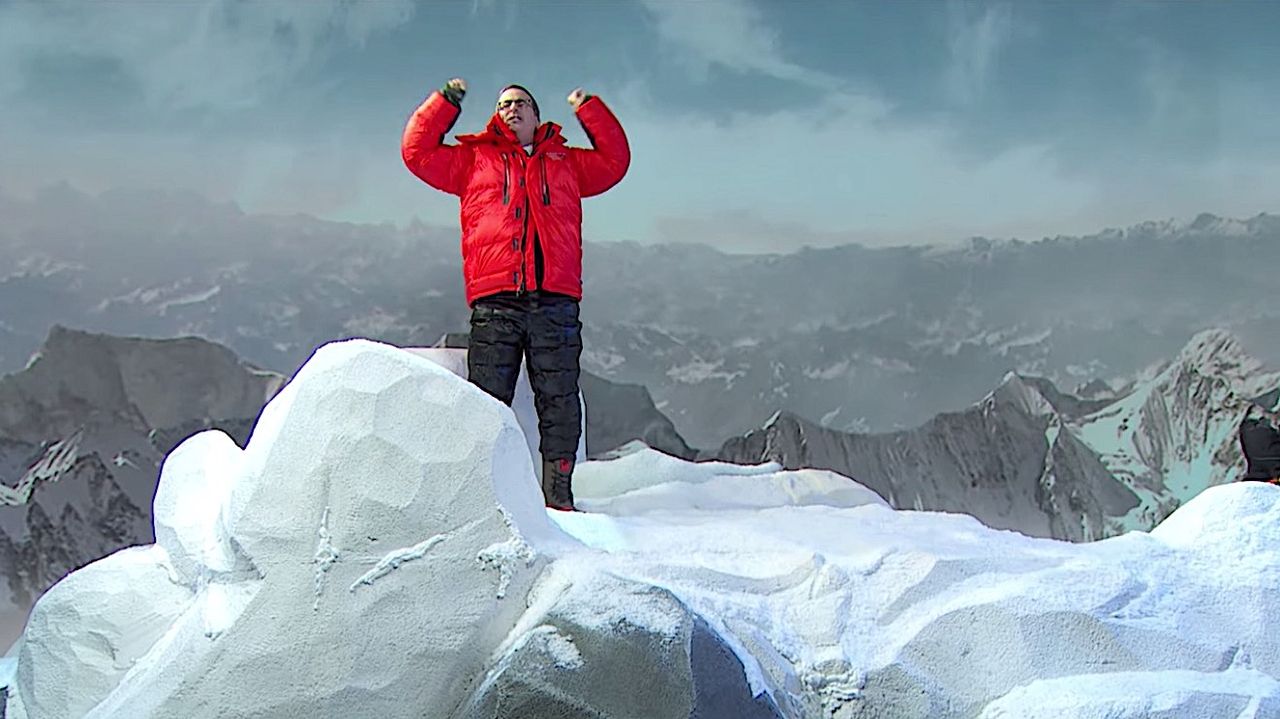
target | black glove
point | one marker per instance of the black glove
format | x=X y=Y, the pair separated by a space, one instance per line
x=454 y=91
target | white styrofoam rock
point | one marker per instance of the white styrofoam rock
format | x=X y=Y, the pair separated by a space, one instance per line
x=455 y=360
x=190 y=504
x=591 y=645
x=377 y=490
x=793 y=488
x=385 y=534
x=1174 y=694
x=90 y=629
x=1238 y=517
x=866 y=611
x=647 y=467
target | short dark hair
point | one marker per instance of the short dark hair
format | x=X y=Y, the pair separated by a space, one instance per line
x=525 y=90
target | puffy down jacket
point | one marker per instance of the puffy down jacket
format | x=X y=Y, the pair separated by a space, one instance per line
x=520 y=212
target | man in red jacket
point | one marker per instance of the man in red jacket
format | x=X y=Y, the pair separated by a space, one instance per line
x=521 y=188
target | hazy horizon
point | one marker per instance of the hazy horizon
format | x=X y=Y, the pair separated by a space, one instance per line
x=436 y=227
x=755 y=126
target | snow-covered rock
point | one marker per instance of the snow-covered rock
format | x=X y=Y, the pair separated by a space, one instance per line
x=593 y=644
x=119 y=608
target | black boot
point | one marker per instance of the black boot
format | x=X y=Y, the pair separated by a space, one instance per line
x=557 y=483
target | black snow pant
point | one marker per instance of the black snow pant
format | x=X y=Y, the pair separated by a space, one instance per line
x=543 y=329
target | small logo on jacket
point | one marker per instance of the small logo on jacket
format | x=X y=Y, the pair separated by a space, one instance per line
x=555 y=155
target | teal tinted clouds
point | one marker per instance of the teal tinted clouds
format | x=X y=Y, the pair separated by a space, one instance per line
x=817 y=122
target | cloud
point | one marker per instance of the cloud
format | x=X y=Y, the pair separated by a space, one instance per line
x=975 y=42
x=844 y=166
x=1185 y=111
x=730 y=34
x=834 y=171
x=838 y=172
x=510 y=10
x=205 y=54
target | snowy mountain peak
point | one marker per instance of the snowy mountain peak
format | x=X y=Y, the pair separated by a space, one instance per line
x=1204 y=224
x=1218 y=352
x=1174 y=434
x=1017 y=391
x=1212 y=224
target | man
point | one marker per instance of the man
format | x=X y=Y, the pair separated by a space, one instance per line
x=1260 y=443
x=521 y=188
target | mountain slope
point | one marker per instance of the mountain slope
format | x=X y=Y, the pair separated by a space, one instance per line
x=83 y=430
x=1175 y=435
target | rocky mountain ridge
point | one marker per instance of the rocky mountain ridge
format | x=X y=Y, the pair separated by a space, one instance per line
x=1031 y=458
x=83 y=431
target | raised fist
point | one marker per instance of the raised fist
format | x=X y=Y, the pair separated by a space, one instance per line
x=454 y=90
x=577 y=97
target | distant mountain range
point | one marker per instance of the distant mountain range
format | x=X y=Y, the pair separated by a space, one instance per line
x=1031 y=458
x=853 y=338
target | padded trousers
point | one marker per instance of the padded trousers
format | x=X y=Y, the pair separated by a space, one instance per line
x=544 y=331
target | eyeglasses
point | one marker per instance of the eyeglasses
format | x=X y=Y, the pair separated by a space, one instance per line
x=517 y=102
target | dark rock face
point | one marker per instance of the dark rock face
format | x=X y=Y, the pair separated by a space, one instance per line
x=620 y=413
x=83 y=431
x=720 y=687
x=995 y=461
x=677 y=667
x=80 y=379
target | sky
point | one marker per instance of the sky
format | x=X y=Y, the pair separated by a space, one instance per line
x=755 y=126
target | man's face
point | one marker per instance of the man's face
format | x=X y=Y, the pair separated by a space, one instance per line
x=515 y=107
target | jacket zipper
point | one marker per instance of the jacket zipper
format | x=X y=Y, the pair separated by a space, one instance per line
x=506 y=178
x=524 y=239
x=524 y=236
x=546 y=189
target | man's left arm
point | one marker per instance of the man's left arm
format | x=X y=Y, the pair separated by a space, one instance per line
x=605 y=164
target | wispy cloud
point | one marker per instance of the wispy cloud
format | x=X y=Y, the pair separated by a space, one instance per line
x=975 y=40
x=510 y=10
x=1185 y=109
x=730 y=34
x=222 y=53
x=824 y=173
x=854 y=162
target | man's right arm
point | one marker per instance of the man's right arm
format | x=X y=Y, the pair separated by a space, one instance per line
x=442 y=166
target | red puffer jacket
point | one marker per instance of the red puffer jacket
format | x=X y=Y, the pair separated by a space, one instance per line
x=511 y=198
